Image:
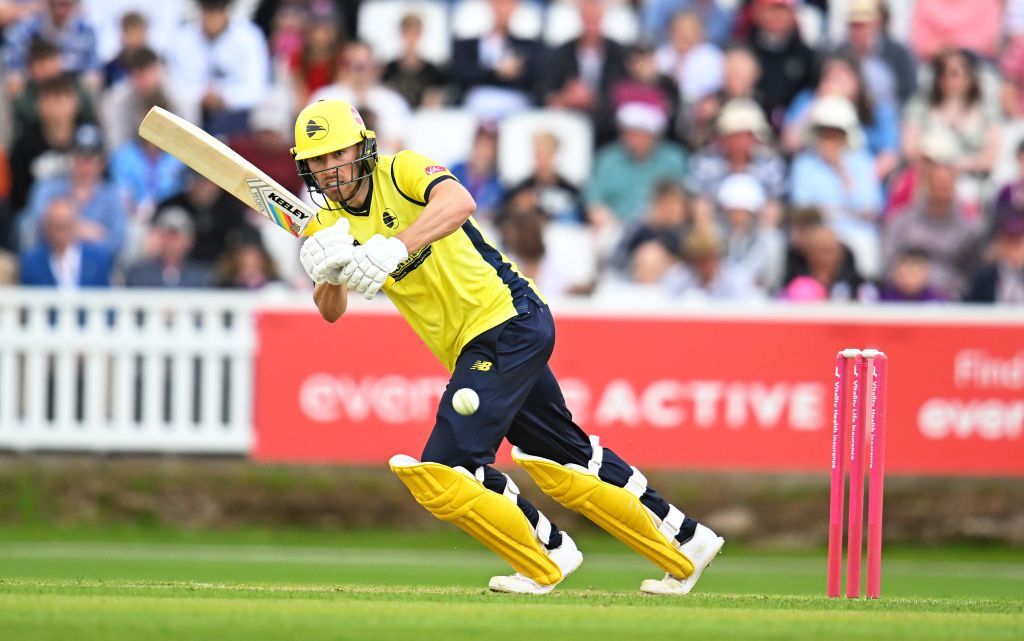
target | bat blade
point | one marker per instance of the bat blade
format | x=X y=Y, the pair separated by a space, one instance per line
x=224 y=167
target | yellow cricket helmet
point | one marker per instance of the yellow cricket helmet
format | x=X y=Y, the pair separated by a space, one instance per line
x=327 y=126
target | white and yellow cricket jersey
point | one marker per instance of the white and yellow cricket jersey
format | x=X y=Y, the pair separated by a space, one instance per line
x=450 y=291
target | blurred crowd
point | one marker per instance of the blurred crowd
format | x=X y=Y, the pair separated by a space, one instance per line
x=735 y=150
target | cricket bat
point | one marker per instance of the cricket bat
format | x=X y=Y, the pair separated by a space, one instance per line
x=222 y=165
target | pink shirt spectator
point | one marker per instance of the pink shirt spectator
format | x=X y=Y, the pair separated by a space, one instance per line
x=965 y=24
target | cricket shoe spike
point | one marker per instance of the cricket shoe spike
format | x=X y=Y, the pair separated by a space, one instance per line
x=701 y=549
x=566 y=556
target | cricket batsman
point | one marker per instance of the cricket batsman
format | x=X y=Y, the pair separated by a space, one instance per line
x=403 y=225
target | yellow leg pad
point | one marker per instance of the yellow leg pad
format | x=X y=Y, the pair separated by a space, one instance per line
x=488 y=517
x=615 y=509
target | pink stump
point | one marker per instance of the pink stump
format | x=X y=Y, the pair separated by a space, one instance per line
x=855 y=525
x=835 y=521
x=876 y=479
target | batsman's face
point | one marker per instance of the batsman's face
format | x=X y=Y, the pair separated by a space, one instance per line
x=335 y=169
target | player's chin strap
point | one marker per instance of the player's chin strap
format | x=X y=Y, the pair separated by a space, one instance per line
x=617 y=510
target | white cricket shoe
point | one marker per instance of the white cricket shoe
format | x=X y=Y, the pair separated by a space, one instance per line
x=566 y=556
x=701 y=549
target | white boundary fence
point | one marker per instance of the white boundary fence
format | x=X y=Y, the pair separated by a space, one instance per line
x=120 y=371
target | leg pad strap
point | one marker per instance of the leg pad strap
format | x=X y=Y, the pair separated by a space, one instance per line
x=617 y=510
x=456 y=496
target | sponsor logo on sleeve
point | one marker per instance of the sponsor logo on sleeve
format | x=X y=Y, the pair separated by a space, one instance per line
x=435 y=169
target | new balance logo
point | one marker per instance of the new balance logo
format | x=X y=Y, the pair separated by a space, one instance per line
x=482 y=366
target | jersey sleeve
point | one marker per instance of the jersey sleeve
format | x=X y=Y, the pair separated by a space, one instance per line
x=323 y=219
x=415 y=175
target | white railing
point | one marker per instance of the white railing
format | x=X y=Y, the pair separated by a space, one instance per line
x=126 y=371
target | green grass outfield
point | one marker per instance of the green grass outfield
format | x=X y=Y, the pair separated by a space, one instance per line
x=255 y=586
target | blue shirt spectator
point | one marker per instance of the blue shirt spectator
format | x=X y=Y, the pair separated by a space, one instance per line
x=146 y=174
x=479 y=174
x=61 y=24
x=102 y=217
x=717 y=19
x=61 y=260
x=882 y=133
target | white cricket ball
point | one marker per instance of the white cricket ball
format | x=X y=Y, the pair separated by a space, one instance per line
x=465 y=401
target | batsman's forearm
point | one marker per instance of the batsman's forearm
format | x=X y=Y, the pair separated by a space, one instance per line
x=331 y=300
x=449 y=208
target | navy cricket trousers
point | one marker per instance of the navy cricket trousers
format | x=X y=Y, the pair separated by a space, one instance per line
x=507 y=366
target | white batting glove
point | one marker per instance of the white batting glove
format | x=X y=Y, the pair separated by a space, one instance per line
x=372 y=263
x=326 y=252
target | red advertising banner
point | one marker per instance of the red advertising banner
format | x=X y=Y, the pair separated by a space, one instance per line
x=679 y=392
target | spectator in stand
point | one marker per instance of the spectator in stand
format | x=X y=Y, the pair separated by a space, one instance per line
x=704 y=275
x=316 y=62
x=822 y=258
x=651 y=266
x=359 y=84
x=909 y=279
x=716 y=16
x=936 y=223
x=955 y=101
x=7 y=242
x=741 y=73
x=643 y=83
x=220 y=65
x=559 y=264
x=11 y=11
x=126 y=103
x=170 y=265
x=1011 y=196
x=666 y=222
x=214 y=215
x=246 y=265
x=421 y=83
x=43 y=151
x=44 y=63
x=59 y=22
x=1011 y=61
x=497 y=73
x=134 y=38
x=938 y=25
x=750 y=247
x=100 y=207
x=888 y=68
x=269 y=143
x=788 y=65
x=878 y=121
x=287 y=31
x=835 y=174
x=163 y=20
x=938 y=145
x=741 y=147
x=558 y=198
x=696 y=66
x=63 y=259
x=1003 y=280
x=580 y=74
x=146 y=174
x=479 y=173
x=626 y=171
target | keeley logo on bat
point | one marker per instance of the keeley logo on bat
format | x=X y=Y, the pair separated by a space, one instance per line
x=288 y=206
